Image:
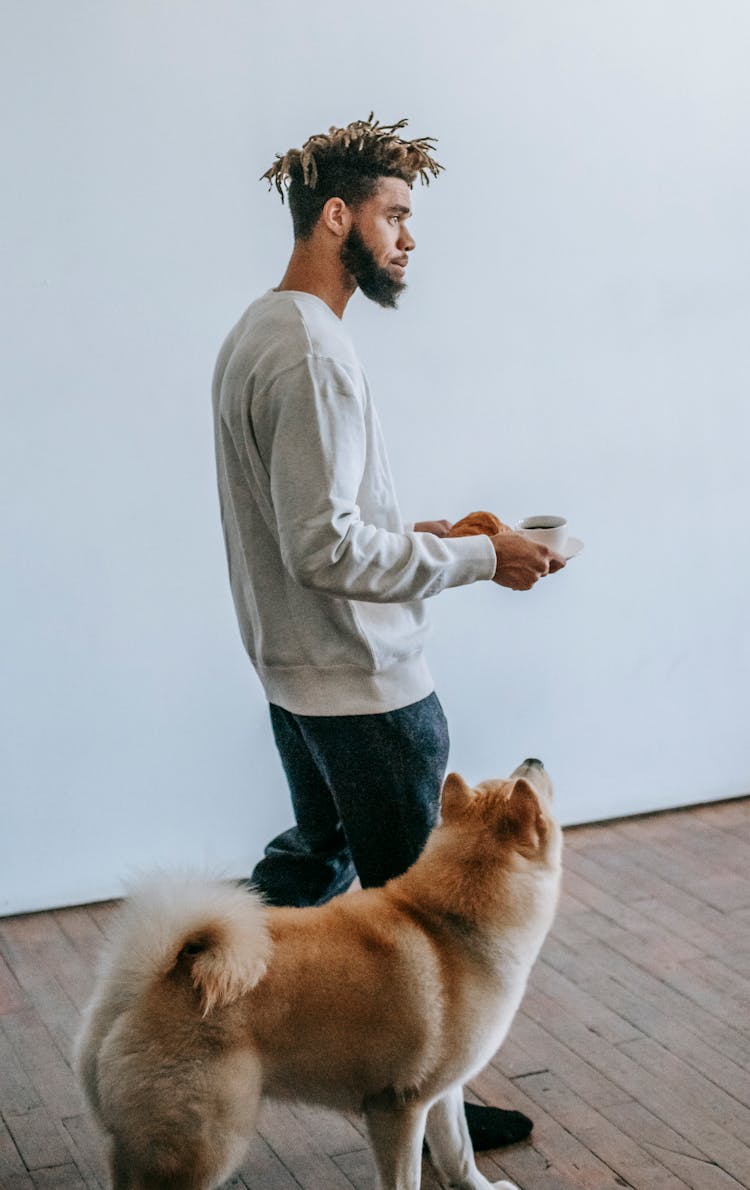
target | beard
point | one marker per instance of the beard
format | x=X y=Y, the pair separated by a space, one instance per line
x=376 y=283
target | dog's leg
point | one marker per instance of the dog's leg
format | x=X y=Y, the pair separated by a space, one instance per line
x=119 y=1169
x=396 y=1132
x=450 y=1146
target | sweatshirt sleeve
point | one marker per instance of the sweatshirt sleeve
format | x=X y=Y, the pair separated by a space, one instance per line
x=311 y=432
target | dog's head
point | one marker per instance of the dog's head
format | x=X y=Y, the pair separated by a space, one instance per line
x=510 y=820
x=495 y=860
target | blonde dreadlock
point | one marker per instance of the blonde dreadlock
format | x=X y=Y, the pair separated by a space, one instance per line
x=363 y=143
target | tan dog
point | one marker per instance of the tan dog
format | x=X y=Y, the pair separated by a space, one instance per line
x=384 y=1001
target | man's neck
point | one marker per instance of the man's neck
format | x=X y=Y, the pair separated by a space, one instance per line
x=310 y=271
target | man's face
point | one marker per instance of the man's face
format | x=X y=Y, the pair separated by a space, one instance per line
x=375 y=249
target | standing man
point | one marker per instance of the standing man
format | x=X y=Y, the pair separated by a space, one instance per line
x=328 y=582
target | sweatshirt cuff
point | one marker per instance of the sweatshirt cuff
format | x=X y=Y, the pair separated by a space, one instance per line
x=471 y=559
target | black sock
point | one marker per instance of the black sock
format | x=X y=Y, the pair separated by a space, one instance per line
x=493 y=1127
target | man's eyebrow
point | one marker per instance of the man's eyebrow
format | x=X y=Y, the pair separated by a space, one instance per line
x=399 y=210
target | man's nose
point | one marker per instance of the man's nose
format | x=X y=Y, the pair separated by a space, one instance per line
x=406 y=239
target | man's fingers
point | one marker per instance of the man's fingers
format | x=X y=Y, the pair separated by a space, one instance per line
x=551 y=561
x=521 y=580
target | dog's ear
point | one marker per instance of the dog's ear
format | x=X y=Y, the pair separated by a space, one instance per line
x=524 y=818
x=456 y=796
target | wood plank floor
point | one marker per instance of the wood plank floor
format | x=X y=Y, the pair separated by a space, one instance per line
x=630 y=1052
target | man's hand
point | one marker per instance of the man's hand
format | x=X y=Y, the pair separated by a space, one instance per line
x=521 y=562
x=439 y=528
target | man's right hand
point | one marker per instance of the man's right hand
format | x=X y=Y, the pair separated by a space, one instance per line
x=521 y=562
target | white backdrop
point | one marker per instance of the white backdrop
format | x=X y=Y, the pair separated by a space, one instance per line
x=575 y=338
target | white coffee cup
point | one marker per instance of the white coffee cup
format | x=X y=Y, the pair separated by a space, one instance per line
x=551 y=531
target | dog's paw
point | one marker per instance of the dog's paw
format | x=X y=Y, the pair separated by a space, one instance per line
x=505 y=1186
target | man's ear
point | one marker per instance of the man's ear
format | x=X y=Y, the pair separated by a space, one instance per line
x=523 y=817
x=337 y=217
x=456 y=796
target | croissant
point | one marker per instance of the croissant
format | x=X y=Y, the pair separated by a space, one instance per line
x=479 y=522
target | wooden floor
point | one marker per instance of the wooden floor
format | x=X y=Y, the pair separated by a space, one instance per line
x=631 y=1050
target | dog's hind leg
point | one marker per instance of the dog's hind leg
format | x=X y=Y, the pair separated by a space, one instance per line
x=396 y=1131
x=129 y=1172
x=450 y=1147
x=120 y=1170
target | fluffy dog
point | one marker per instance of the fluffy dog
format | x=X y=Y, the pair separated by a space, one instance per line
x=384 y=1001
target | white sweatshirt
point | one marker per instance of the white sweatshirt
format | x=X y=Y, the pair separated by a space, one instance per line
x=327 y=582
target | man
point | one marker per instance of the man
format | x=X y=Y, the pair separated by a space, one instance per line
x=328 y=583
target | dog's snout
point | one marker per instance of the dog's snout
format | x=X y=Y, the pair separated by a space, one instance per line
x=532 y=762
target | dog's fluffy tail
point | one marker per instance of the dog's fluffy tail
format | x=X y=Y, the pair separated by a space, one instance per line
x=218 y=929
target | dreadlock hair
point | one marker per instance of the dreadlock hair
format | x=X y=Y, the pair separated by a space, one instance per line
x=346 y=163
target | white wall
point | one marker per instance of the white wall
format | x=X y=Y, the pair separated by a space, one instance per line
x=575 y=338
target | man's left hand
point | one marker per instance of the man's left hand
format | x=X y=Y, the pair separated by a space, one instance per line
x=439 y=528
